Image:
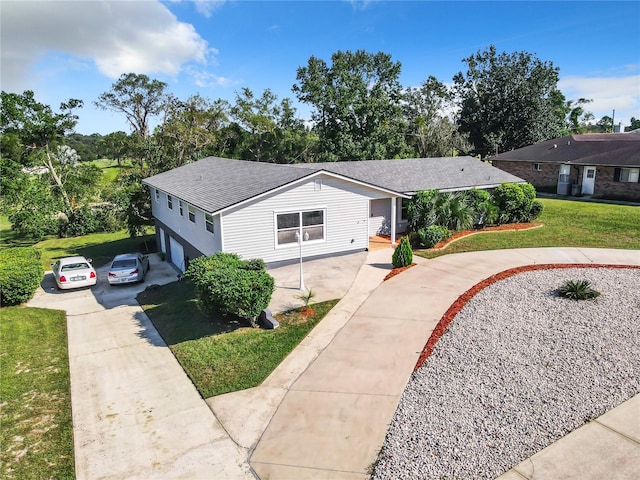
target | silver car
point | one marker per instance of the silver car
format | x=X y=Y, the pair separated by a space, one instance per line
x=74 y=272
x=127 y=268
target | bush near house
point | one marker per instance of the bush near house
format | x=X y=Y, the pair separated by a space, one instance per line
x=20 y=274
x=509 y=203
x=402 y=255
x=226 y=284
x=433 y=234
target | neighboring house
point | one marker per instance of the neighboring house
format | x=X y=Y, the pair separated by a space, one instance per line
x=605 y=165
x=259 y=210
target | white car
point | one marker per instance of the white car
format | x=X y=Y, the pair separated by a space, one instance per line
x=74 y=272
x=127 y=268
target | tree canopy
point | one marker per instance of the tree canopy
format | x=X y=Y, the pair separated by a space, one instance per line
x=356 y=104
x=508 y=100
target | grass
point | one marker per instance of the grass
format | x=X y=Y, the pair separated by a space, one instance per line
x=9 y=237
x=100 y=247
x=566 y=224
x=223 y=355
x=36 y=434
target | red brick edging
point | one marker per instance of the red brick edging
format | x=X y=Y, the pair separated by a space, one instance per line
x=463 y=299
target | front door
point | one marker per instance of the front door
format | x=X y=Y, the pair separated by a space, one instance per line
x=588 y=180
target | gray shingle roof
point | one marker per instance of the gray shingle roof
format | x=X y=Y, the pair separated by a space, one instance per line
x=213 y=183
x=607 y=149
x=414 y=174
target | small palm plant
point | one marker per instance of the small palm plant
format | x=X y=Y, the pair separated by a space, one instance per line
x=306 y=298
x=578 y=290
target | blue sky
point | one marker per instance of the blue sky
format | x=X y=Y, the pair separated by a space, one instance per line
x=78 y=49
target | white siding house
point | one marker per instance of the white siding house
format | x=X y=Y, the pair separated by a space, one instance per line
x=260 y=210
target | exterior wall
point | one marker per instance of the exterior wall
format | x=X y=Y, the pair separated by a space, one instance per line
x=545 y=179
x=380 y=217
x=606 y=187
x=189 y=250
x=250 y=230
x=199 y=238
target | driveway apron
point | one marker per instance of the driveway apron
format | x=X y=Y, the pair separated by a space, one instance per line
x=135 y=412
x=332 y=421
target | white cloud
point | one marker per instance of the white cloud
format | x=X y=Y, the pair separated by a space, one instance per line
x=117 y=36
x=207 y=7
x=607 y=93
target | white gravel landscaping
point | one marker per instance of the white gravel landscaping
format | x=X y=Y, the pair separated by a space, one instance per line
x=518 y=368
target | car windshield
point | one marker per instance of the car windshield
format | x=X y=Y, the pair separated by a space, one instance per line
x=74 y=266
x=129 y=263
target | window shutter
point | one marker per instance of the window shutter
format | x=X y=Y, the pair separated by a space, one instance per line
x=616 y=174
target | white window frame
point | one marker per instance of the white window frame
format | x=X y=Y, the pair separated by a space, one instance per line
x=300 y=226
x=537 y=167
x=192 y=213
x=404 y=209
x=157 y=195
x=564 y=177
x=169 y=202
x=631 y=175
x=208 y=223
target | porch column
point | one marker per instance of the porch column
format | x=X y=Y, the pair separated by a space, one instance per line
x=393 y=220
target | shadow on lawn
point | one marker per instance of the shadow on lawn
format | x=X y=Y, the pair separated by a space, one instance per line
x=174 y=312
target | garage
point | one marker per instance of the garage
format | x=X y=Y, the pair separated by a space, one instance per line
x=177 y=254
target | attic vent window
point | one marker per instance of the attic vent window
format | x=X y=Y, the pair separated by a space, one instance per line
x=317 y=184
x=537 y=167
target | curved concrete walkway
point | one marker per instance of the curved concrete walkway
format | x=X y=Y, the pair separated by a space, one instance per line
x=336 y=394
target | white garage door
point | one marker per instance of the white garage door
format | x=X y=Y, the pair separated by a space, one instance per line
x=177 y=253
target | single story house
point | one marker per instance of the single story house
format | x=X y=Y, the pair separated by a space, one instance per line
x=260 y=210
x=601 y=165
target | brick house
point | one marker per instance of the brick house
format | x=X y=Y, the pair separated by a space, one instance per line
x=603 y=165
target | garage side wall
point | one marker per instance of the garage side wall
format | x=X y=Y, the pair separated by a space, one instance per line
x=250 y=230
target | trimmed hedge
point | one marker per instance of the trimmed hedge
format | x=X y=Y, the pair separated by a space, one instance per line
x=433 y=234
x=225 y=283
x=20 y=274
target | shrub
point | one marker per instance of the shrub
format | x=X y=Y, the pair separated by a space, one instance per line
x=578 y=290
x=226 y=284
x=80 y=221
x=402 y=255
x=515 y=202
x=421 y=209
x=536 y=209
x=20 y=274
x=430 y=236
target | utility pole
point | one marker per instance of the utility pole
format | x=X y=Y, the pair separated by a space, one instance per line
x=613 y=121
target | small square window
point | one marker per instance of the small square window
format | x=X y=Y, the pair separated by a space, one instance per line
x=537 y=167
x=192 y=214
x=169 y=202
x=208 y=222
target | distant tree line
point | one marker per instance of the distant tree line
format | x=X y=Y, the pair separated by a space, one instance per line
x=359 y=110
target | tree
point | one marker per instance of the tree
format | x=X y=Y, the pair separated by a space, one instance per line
x=138 y=97
x=429 y=130
x=508 y=101
x=605 y=124
x=190 y=127
x=577 y=118
x=357 y=105
x=116 y=145
x=634 y=124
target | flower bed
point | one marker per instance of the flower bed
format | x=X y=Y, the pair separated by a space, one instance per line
x=498 y=228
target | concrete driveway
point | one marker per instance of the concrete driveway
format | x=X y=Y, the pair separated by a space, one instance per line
x=136 y=414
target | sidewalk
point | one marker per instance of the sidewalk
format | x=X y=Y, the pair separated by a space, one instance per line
x=333 y=402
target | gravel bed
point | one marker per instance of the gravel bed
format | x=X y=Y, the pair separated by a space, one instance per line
x=518 y=368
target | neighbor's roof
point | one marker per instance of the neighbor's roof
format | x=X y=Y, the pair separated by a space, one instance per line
x=414 y=174
x=214 y=184
x=606 y=149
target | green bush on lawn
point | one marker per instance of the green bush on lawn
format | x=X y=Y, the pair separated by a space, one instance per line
x=226 y=284
x=20 y=274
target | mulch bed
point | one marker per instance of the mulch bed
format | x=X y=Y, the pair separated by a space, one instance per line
x=396 y=271
x=498 y=228
x=463 y=299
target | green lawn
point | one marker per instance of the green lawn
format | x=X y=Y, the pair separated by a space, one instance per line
x=8 y=237
x=566 y=224
x=223 y=355
x=100 y=247
x=36 y=434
